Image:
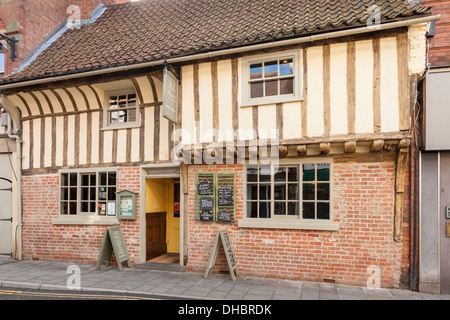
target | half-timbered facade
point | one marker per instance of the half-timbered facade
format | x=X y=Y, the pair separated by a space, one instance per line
x=329 y=106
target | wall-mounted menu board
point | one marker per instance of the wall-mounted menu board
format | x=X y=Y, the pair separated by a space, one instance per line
x=226 y=197
x=216 y=197
x=205 y=202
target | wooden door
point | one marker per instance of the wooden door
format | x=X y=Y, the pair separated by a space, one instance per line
x=156 y=234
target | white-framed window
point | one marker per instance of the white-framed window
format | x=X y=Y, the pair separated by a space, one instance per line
x=87 y=195
x=121 y=109
x=290 y=195
x=271 y=78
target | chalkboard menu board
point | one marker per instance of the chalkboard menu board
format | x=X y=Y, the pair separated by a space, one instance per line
x=224 y=216
x=225 y=196
x=205 y=202
x=113 y=240
x=204 y=188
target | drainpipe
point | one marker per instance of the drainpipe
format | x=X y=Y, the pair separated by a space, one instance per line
x=15 y=133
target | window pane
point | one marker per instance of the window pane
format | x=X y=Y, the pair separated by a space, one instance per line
x=132 y=115
x=323 y=172
x=84 y=180
x=73 y=179
x=264 y=174
x=293 y=208
x=103 y=178
x=132 y=100
x=93 y=179
x=309 y=191
x=111 y=193
x=73 y=193
x=256 y=71
x=280 y=192
x=113 y=117
x=271 y=88
x=65 y=194
x=84 y=193
x=72 y=208
x=123 y=116
x=323 y=191
x=252 y=192
x=111 y=179
x=286 y=67
x=112 y=102
x=122 y=101
x=256 y=90
x=308 y=210
x=92 y=207
x=252 y=174
x=323 y=210
x=264 y=209
x=280 y=175
x=252 y=210
x=287 y=86
x=84 y=206
x=308 y=172
x=271 y=69
x=64 y=208
x=64 y=179
x=292 y=191
x=92 y=193
x=264 y=192
x=280 y=208
x=293 y=174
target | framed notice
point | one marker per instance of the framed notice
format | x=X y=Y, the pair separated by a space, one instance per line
x=226 y=197
x=126 y=205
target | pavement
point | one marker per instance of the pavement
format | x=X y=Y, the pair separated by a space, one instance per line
x=44 y=275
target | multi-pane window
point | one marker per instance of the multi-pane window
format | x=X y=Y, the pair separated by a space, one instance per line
x=87 y=193
x=271 y=78
x=316 y=191
x=121 y=108
x=288 y=190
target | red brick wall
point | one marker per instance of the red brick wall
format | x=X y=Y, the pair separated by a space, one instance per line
x=32 y=21
x=43 y=240
x=363 y=207
x=440 y=43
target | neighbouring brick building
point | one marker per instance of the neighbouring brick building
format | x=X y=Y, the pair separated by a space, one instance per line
x=326 y=199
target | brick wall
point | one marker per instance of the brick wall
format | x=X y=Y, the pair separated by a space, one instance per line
x=44 y=241
x=32 y=21
x=363 y=206
x=440 y=43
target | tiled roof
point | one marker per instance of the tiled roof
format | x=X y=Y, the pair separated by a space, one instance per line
x=151 y=30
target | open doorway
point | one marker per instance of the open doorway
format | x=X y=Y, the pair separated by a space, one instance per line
x=162 y=204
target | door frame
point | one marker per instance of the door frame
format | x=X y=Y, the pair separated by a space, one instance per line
x=146 y=174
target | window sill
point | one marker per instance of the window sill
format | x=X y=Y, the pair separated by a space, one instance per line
x=92 y=221
x=290 y=224
x=261 y=102
x=123 y=126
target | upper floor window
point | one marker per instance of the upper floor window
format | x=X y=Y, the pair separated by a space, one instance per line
x=121 y=109
x=271 y=78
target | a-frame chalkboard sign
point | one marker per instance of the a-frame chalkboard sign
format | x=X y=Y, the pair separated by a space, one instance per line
x=113 y=240
x=222 y=237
